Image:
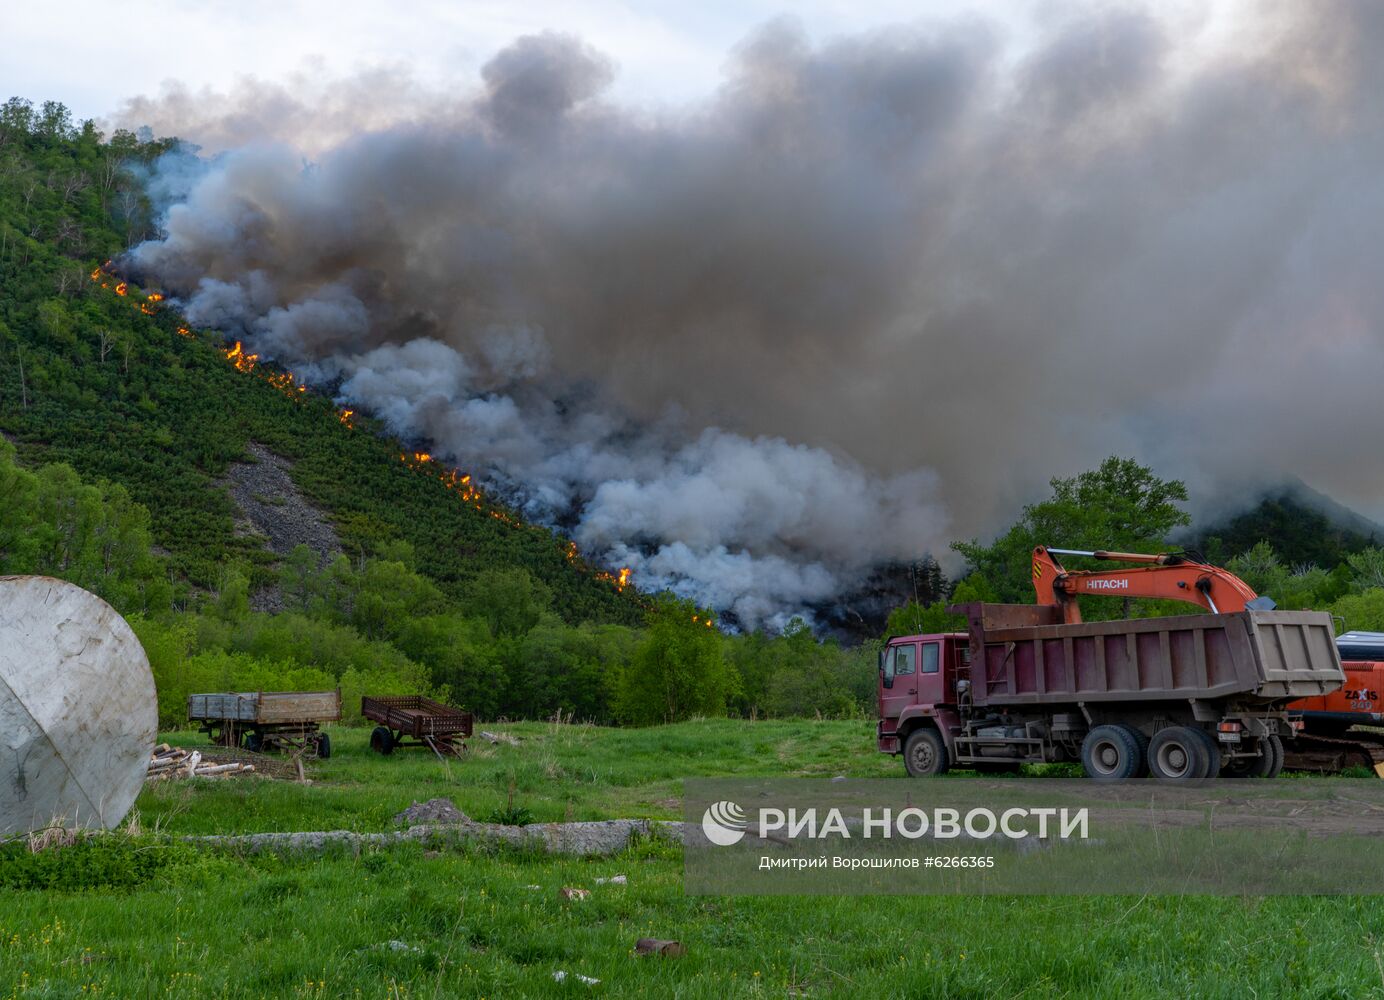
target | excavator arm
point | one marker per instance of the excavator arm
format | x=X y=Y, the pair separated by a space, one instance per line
x=1167 y=576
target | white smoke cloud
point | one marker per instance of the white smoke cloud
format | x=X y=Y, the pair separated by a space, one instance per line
x=871 y=294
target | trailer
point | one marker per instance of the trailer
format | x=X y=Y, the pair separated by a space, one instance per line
x=1181 y=698
x=428 y=723
x=264 y=721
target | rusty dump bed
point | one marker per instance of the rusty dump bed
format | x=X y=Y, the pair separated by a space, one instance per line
x=416 y=716
x=266 y=707
x=1021 y=655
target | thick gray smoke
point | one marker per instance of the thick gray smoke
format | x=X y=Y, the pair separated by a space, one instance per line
x=868 y=296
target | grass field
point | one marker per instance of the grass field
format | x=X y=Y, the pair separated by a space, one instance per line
x=140 y=917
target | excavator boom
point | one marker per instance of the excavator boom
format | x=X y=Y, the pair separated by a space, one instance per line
x=1166 y=576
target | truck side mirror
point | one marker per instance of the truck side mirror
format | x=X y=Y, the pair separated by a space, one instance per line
x=886 y=666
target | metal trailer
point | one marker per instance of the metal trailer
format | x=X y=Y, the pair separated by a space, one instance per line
x=262 y=721
x=428 y=723
x=1186 y=697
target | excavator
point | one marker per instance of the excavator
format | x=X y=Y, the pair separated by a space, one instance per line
x=1329 y=741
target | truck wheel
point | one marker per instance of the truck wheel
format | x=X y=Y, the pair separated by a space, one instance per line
x=1143 y=771
x=1273 y=747
x=1266 y=765
x=1111 y=753
x=1178 y=754
x=1213 y=752
x=381 y=740
x=924 y=753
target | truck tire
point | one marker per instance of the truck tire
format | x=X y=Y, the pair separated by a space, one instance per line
x=1111 y=753
x=1273 y=746
x=1213 y=752
x=381 y=740
x=924 y=753
x=1267 y=765
x=1178 y=754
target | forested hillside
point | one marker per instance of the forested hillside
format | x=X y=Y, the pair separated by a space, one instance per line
x=97 y=374
x=122 y=424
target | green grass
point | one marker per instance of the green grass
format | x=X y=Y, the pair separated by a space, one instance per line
x=406 y=922
x=557 y=772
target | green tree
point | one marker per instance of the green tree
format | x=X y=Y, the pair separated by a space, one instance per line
x=1366 y=569
x=1364 y=610
x=510 y=601
x=1120 y=506
x=678 y=670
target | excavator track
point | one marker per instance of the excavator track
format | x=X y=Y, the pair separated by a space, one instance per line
x=1333 y=754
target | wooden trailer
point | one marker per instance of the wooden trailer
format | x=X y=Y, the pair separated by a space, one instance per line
x=263 y=721
x=410 y=716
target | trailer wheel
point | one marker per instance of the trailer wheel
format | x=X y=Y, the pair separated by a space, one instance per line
x=324 y=746
x=382 y=740
x=254 y=742
x=1111 y=753
x=1179 y=754
x=924 y=753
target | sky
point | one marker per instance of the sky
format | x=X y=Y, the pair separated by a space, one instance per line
x=96 y=55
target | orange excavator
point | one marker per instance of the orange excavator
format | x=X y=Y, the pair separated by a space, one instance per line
x=1325 y=746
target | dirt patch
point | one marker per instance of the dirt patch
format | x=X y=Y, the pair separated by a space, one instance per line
x=274 y=511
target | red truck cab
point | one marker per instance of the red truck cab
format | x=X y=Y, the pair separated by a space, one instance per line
x=917 y=686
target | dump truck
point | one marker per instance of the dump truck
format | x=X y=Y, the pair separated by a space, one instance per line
x=1180 y=698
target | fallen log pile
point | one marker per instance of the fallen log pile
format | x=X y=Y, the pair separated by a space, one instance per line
x=168 y=762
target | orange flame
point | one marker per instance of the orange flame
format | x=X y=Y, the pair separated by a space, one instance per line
x=242 y=361
x=121 y=288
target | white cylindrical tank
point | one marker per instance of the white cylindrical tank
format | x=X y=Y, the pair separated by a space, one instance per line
x=78 y=713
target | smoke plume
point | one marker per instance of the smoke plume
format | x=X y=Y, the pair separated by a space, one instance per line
x=867 y=297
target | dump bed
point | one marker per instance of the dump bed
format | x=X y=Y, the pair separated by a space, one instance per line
x=1019 y=654
x=266 y=707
